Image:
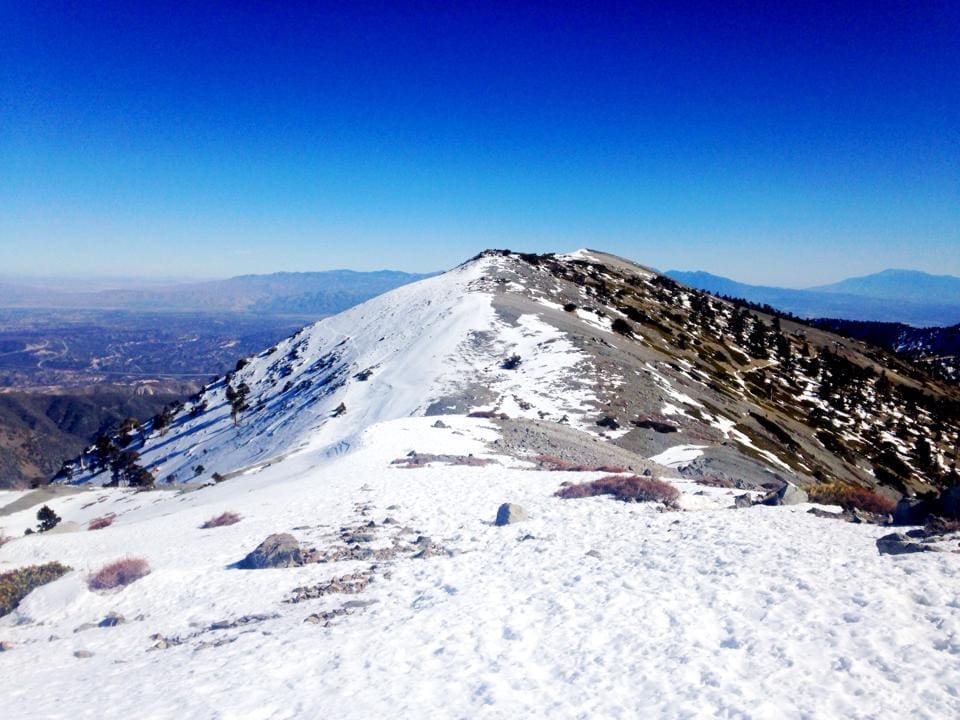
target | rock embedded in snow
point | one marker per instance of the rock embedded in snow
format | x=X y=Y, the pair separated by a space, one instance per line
x=83 y=654
x=280 y=550
x=508 y=513
x=900 y=544
x=787 y=495
x=743 y=501
x=112 y=620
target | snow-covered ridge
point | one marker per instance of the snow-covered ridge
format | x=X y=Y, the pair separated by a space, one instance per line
x=436 y=346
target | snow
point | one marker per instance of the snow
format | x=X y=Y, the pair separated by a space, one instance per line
x=419 y=344
x=760 y=612
x=679 y=456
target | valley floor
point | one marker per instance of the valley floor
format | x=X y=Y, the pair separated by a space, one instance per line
x=592 y=608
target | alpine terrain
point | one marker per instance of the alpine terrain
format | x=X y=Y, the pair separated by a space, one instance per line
x=532 y=486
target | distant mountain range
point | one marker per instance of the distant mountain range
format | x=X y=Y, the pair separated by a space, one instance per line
x=905 y=296
x=301 y=293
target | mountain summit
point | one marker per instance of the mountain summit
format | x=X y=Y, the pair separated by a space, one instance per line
x=584 y=342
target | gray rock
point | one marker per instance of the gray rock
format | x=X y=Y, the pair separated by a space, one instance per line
x=899 y=544
x=280 y=550
x=787 y=495
x=112 y=620
x=594 y=554
x=6 y=646
x=910 y=511
x=440 y=424
x=742 y=501
x=508 y=513
x=84 y=627
x=83 y=654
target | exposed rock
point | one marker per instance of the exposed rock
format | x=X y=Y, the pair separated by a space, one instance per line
x=910 y=511
x=743 y=501
x=112 y=620
x=5 y=646
x=440 y=424
x=786 y=495
x=82 y=654
x=84 y=627
x=594 y=554
x=508 y=513
x=277 y=551
x=948 y=505
x=243 y=620
x=900 y=544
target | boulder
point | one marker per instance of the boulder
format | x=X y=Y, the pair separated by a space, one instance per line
x=742 y=501
x=508 y=513
x=440 y=424
x=280 y=550
x=948 y=505
x=786 y=495
x=899 y=544
x=910 y=511
x=112 y=620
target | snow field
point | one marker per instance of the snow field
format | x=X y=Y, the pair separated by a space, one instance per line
x=760 y=613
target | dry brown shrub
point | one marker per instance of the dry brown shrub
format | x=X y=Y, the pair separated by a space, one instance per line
x=119 y=573
x=221 y=520
x=629 y=488
x=850 y=497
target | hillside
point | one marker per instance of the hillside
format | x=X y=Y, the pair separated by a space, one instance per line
x=754 y=399
x=936 y=349
x=41 y=430
x=325 y=522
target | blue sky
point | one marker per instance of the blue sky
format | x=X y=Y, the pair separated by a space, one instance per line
x=772 y=142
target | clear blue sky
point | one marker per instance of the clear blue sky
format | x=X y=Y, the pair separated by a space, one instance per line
x=771 y=142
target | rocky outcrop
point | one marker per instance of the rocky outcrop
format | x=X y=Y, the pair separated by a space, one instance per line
x=280 y=550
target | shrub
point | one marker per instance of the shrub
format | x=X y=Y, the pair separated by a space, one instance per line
x=551 y=462
x=570 y=307
x=850 y=497
x=511 y=363
x=224 y=518
x=15 y=585
x=119 y=573
x=101 y=522
x=630 y=488
x=47 y=518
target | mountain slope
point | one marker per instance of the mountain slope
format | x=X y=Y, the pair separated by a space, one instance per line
x=876 y=298
x=591 y=342
x=382 y=441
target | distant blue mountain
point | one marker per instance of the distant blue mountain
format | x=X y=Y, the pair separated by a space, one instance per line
x=899 y=284
x=905 y=296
